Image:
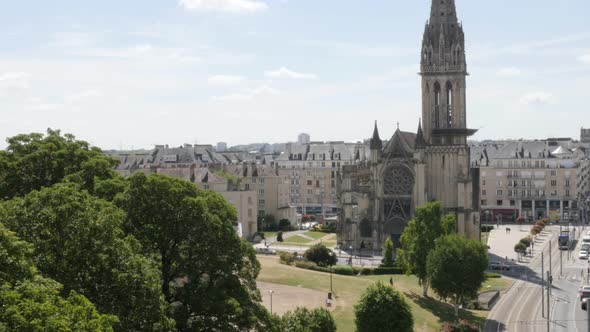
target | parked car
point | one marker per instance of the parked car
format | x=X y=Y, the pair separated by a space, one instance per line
x=499 y=266
x=583 y=254
x=584 y=303
x=585 y=247
x=267 y=251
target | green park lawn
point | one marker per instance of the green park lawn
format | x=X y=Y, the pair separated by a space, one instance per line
x=297 y=239
x=268 y=235
x=429 y=313
x=315 y=235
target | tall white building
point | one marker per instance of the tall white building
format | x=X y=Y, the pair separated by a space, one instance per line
x=303 y=138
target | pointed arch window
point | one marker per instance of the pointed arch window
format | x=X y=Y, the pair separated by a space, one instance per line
x=449 y=105
x=436 y=117
x=366 y=228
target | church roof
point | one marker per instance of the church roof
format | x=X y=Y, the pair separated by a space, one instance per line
x=401 y=145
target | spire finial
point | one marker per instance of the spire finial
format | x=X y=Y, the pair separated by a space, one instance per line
x=398 y=125
x=376 y=143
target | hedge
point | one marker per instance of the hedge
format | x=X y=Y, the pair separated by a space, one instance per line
x=487 y=228
x=349 y=270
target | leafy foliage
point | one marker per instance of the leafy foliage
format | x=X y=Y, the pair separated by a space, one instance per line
x=34 y=161
x=419 y=236
x=456 y=268
x=388 y=251
x=280 y=237
x=305 y=320
x=321 y=255
x=208 y=273
x=78 y=242
x=284 y=225
x=383 y=309
x=33 y=303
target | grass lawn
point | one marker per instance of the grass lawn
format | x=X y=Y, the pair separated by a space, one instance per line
x=498 y=284
x=268 y=235
x=429 y=313
x=316 y=235
x=297 y=239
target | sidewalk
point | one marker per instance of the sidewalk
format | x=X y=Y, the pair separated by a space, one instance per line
x=502 y=243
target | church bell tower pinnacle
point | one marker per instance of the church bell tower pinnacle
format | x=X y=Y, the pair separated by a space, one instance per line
x=443 y=68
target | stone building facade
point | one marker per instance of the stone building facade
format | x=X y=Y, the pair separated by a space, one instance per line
x=533 y=179
x=379 y=196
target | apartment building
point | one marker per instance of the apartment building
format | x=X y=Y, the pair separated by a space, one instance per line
x=533 y=179
x=312 y=170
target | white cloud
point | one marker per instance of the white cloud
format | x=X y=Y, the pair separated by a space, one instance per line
x=585 y=58
x=73 y=98
x=536 y=98
x=14 y=76
x=225 y=79
x=509 y=72
x=287 y=73
x=248 y=94
x=224 y=5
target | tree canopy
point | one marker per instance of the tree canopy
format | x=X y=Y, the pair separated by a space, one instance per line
x=456 y=268
x=33 y=303
x=208 y=273
x=321 y=255
x=78 y=241
x=305 y=320
x=383 y=309
x=34 y=161
x=418 y=239
x=388 y=251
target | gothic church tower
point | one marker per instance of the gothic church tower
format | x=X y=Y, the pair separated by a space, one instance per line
x=444 y=71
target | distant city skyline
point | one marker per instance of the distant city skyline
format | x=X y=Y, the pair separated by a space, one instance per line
x=134 y=74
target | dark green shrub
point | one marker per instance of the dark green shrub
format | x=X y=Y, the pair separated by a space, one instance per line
x=284 y=225
x=321 y=255
x=389 y=270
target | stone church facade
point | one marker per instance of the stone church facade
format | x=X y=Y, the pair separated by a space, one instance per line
x=379 y=196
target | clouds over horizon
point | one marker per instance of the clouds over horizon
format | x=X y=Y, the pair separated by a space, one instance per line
x=235 y=6
x=289 y=74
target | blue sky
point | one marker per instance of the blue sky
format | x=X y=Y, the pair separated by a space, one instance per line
x=136 y=73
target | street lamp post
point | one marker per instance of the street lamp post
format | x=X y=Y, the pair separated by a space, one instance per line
x=271 y=292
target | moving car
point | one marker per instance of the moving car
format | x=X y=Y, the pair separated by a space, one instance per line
x=583 y=254
x=499 y=266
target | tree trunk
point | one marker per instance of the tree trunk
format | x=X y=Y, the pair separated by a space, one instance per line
x=425 y=288
x=456 y=310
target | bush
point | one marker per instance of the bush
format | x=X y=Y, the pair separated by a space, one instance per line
x=520 y=220
x=321 y=255
x=344 y=270
x=305 y=320
x=382 y=308
x=388 y=270
x=325 y=228
x=287 y=258
x=284 y=225
x=526 y=241
x=520 y=247
x=462 y=326
x=280 y=236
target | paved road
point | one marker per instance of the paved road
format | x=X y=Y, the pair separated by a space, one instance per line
x=520 y=308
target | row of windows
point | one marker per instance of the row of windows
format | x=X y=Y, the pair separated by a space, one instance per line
x=525 y=193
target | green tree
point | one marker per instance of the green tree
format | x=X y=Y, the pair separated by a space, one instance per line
x=383 y=309
x=418 y=239
x=284 y=225
x=78 y=241
x=34 y=161
x=280 y=236
x=208 y=273
x=456 y=268
x=388 y=250
x=320 y=255
x=305 y=320
x=33 y=303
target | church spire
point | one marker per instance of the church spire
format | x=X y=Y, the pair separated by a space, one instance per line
x=443 y=11
x=376 y=143
x=420 y=142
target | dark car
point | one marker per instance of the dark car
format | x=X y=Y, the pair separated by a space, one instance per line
x=584 y=303
x=499 y=266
